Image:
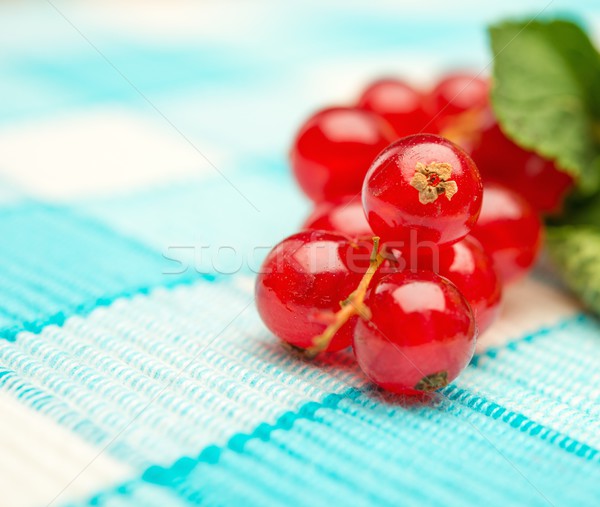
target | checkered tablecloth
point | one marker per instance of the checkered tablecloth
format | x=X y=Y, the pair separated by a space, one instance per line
x=143 y=177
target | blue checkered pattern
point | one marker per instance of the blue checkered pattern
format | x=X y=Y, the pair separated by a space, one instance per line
x=143 y=177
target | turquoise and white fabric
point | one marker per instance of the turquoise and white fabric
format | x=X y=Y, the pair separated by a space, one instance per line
x=143 y=177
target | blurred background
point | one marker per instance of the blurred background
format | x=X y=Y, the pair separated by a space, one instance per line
x=102 y=101
x=136 y=136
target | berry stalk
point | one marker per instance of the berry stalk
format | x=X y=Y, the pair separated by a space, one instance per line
x=352 y=305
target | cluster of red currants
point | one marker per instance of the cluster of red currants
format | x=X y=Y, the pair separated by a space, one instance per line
x=406 y=252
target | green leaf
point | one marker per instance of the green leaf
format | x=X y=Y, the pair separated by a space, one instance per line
x=574 y=250
x=579 y=211
x=546 y=94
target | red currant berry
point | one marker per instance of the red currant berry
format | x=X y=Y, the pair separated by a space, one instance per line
x=301 y=283
x=421 y=334
x=509 y=230
x=535 y=178
x=422 y=188
x=346 y=217
x=471 y=269
x=453 y=96
x=398 y=103
x=333 y=150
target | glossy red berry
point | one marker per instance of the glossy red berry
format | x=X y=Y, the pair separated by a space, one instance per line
x=536 y=179
x=398 y=103
x=422 y=188
x=509 y=230
x=334 y=149
x=346 y=217
x=471 y=269
x=454 y=95
x=421 y=334
x=301 y=283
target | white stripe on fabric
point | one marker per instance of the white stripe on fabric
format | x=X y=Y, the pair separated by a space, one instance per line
x=101 y=151
x=101 y=371
x=39 y=458
x=527 y=306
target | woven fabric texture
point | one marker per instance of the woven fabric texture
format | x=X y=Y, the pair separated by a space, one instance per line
x=143 y=177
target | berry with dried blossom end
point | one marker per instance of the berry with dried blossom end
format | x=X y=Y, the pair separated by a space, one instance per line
x=433 y=180
x=420 y=336
x=422 y=188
